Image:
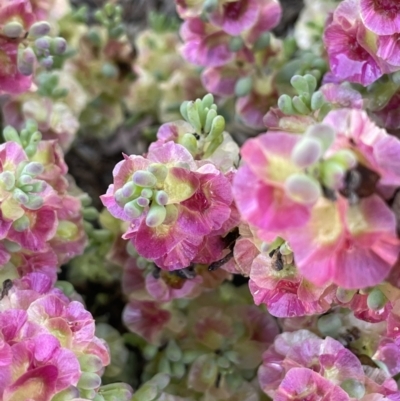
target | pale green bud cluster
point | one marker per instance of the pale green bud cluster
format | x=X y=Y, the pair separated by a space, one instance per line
x=207 y=124
x=110 y=16
x=152 y=389
x=48 y=86
x=308 y=155
x=307 y=100
x=28 y=138
x=143 y=191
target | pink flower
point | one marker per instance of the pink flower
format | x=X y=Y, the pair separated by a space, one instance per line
x=42 y=336
x=258 y=186
x=381 y=16
x=344 y=38
x=284 y=291
x=351 y=246
x=196 y=202
x=374 y=147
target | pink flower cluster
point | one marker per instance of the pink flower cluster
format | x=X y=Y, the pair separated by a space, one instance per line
x=41 y=222
x=177 y=207
x=361 y=39
x=47 y=343
x=323 y=192
x=20 y=53
x=230 y=43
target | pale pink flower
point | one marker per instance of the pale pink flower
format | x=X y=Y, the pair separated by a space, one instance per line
x=381 y=16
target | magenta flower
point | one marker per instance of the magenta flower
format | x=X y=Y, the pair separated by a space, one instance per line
x=351 y=246
x=345 y=41
x=42 y=336
x=171 y=208
x=259 y=185
x=204 y=44
x=284 y=291
x=376 y=149
x=381 y=16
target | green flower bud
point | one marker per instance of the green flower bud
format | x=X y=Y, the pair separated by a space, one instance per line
x=236 y=44
x=183 y=110
x=133 y=210
x=285 y=105
x=332 y=174
x=323 y=111
x=329 y=325
x=89 y=381
x=178 y=370
x=353 y=388
x=173 y=352
x=376 y=299
x=20 y=196
x=161 y=380
x=143 y=202
x=317 y=100
x=39 y=29
x=213 y=146
x=311 y=82
x=7 y=178
x=149 y=351
x=161 y=198
x=285 y=249
x=306 y=152
x=194 y=117
x=300 y=84
x=243 y=86
x=210 y=6
x=33 y=169
x=90 y=213
x=343 y=295
x=263 y=41
x=109 y=70
x=147 y=392
x=302 y=188
x=324 y=133
x=223 y=362
x=189 y=142
x=156 y=215
x=211 y=114
x=11 y=246
x=300 y=106
x=66 y=230
x=35 y=202
x=21 y=224
x=345 y=157
x=217 y=128
x=146 y=193
x=13 y=29
x=207 y=100
x=90 y=363
x=128 y=189
x=164 y=366
x=144 y=179
x=10 y=134
x=159 y=171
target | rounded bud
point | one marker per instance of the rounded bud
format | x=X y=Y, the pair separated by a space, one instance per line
x=344 y=296
x=263 y=41
x=90 y=363
x=33 y=169
x=235 y=44
x=317 y=100
x=207 y=100
x=143 y=202
x=146 y=193
x=144 y=179
x=58 y=45
x=11 y=134
x=217 y=128
x=26 y=61
x=329 y=325
x=128 y=189
x=39 y=29
x=161 y=198
x=243 y=86
x=354 y=388
x=300 y=106
x=306 y=152
x=7 y=178
x=133 y=210
x=173 y=352
x=376 y=299
x=211 y=114
x=156 y=215
x=159 y=171
x=109 y=70
x=89 y=381
x=20 y=196
x=300 y=84
x=21 y=224
x=189 y=142
x=47 y=62
x=302 y=189
x=35 y=202
x=285 y=105
x=13 y=29
x=43 y=43
x=332 y=174
x=345 y=157
x=324 y=133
